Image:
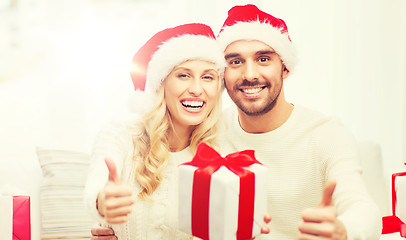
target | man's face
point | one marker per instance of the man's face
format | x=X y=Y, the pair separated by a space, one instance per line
x=254 y=76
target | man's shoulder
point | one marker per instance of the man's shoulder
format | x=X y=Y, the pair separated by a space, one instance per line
x=320 y=124
x=328 y=127
x=307 y=115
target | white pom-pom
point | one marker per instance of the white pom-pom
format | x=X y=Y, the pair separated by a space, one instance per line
x=140 y=102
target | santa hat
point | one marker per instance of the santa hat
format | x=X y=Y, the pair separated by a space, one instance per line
x=249 y=23
x=170 y=47
x=165 y=50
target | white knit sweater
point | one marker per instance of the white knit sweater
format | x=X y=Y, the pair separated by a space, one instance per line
x=302 y=154
x=149 y=220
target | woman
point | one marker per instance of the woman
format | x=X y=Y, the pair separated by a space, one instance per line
x=179 y=74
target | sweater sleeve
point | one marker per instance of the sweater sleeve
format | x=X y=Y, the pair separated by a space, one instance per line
x=115 y=142
x=355 y=207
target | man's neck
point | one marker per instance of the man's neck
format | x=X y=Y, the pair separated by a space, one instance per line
x=267 y=122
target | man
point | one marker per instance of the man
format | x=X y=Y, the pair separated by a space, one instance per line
x=313 y=179
x=315 y=187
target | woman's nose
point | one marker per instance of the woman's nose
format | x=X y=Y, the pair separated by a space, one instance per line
x=195 y=87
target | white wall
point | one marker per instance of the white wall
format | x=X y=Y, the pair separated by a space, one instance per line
x=64 y=68
x=352 y=64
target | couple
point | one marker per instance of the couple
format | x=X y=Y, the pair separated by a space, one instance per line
x=315 y=187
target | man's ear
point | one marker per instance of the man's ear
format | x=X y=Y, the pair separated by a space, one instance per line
x=285 y=72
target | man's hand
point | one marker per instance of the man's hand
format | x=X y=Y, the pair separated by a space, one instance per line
x=102 y=233
x=321 y=222
x=115 y=200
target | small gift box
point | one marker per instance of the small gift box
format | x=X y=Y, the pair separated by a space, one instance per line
x=222 y=198
x=396 y=222
x=15 y=218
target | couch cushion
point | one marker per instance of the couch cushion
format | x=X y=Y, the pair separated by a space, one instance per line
x=373 y=174
x=62 y=210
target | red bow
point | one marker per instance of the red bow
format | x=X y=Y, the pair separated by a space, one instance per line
x=391 y=224
x=208 y=161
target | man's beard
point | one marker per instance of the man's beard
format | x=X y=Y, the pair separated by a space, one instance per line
x=252 y=110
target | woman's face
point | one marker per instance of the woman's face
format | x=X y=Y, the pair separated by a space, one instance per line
x=191 y=91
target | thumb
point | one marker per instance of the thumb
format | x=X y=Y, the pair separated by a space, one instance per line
x=328 y=190
x=113 y=176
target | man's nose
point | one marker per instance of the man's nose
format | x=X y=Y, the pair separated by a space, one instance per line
x=250 y=71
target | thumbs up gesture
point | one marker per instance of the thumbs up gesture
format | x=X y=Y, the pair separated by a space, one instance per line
x=321 y=222
x=115 y=200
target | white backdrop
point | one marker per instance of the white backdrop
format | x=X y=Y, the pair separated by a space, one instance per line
x=64 y=67
x=64 y=64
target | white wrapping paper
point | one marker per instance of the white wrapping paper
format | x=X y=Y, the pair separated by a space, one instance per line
x=224 y=199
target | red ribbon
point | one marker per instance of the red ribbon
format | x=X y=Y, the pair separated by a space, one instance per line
x=21 y=218
x=391 y=224
x=209 y=161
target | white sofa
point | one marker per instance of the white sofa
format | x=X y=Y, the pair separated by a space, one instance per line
x=376 y=180
x=28 y=177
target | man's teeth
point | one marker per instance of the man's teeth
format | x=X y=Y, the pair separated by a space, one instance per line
x=193 y=104
x=251 y=90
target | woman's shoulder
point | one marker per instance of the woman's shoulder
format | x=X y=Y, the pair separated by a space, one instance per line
x=120 y=129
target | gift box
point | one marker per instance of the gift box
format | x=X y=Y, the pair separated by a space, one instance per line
x=222 y=197
x=396 y=222
x=15 y=218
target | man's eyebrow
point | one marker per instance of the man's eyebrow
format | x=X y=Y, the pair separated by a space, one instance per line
x=260 y=52
x=231 y=55
x=264 y=52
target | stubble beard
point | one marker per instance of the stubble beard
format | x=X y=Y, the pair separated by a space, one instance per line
x=249 y=108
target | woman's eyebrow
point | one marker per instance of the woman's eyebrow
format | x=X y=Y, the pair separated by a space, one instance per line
x=181 y=68
x=210 y=70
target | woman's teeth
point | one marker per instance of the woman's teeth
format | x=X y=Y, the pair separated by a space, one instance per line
x=192 y=104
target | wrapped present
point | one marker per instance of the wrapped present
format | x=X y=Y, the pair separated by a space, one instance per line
x=222 y=198
x=396 y=222
x=15 y=218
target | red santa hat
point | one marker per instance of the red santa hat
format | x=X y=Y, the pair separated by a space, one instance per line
x=170 y=47
x=249 y=23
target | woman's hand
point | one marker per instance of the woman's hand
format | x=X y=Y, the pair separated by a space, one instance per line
x=266 y=229
x=114 y=202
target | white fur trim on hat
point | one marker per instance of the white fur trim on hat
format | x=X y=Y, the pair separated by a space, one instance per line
x=264 y=32
x=141 y=101
x=178 y=50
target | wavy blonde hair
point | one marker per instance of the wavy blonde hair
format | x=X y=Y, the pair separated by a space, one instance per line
x=151 y=144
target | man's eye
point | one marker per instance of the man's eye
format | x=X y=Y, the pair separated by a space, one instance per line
x=235 y=62
x=263 y=59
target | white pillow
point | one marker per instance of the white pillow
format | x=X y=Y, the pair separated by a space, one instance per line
x=373 y=174
x=63 y=213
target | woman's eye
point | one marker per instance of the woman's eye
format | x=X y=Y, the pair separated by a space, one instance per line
x=182 y=75
x=208 y=77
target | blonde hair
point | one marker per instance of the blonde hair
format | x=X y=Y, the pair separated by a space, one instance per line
x=151 y=145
